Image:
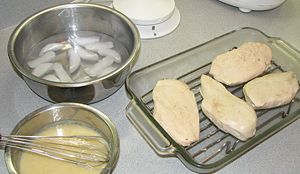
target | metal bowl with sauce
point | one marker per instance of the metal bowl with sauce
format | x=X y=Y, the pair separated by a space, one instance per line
x=56 y=114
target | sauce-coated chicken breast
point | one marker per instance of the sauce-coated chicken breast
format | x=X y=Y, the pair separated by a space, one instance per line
x=175 y=109
x=242 y=64
x=228 y=112
x=271 y=90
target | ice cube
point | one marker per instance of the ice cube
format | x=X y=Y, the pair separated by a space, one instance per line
x=111 y=53
x=85 y=54
x=107 y=70
x=82 y=41
x=97 y=68
x=47 y=57
x=74 y=60
x=42 y=69
x=99 y=45
x=61 y=73
x=51 y=77
x=51 y=47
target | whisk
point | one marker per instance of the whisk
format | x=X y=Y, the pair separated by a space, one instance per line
x=80 y=150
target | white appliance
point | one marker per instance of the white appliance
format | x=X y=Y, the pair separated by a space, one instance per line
x=249 y=5
x=153 y=18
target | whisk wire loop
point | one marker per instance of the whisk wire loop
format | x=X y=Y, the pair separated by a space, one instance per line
x=79 y=150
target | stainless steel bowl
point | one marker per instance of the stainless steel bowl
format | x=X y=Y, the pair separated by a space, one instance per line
x=38 y=119
x=72 y=18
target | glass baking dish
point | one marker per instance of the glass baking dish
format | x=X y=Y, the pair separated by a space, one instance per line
x=215 y=149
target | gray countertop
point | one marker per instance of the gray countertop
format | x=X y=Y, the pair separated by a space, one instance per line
x=200 y=21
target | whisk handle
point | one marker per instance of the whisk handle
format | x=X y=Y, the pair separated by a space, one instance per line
x=2 y=145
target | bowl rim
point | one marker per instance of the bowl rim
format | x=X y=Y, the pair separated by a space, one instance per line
x=20 y=70
x=97 y=113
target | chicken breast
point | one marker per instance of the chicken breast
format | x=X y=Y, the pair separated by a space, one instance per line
x=175 y=109
x=226 y=111
x=271 y=90
x=242 y=64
